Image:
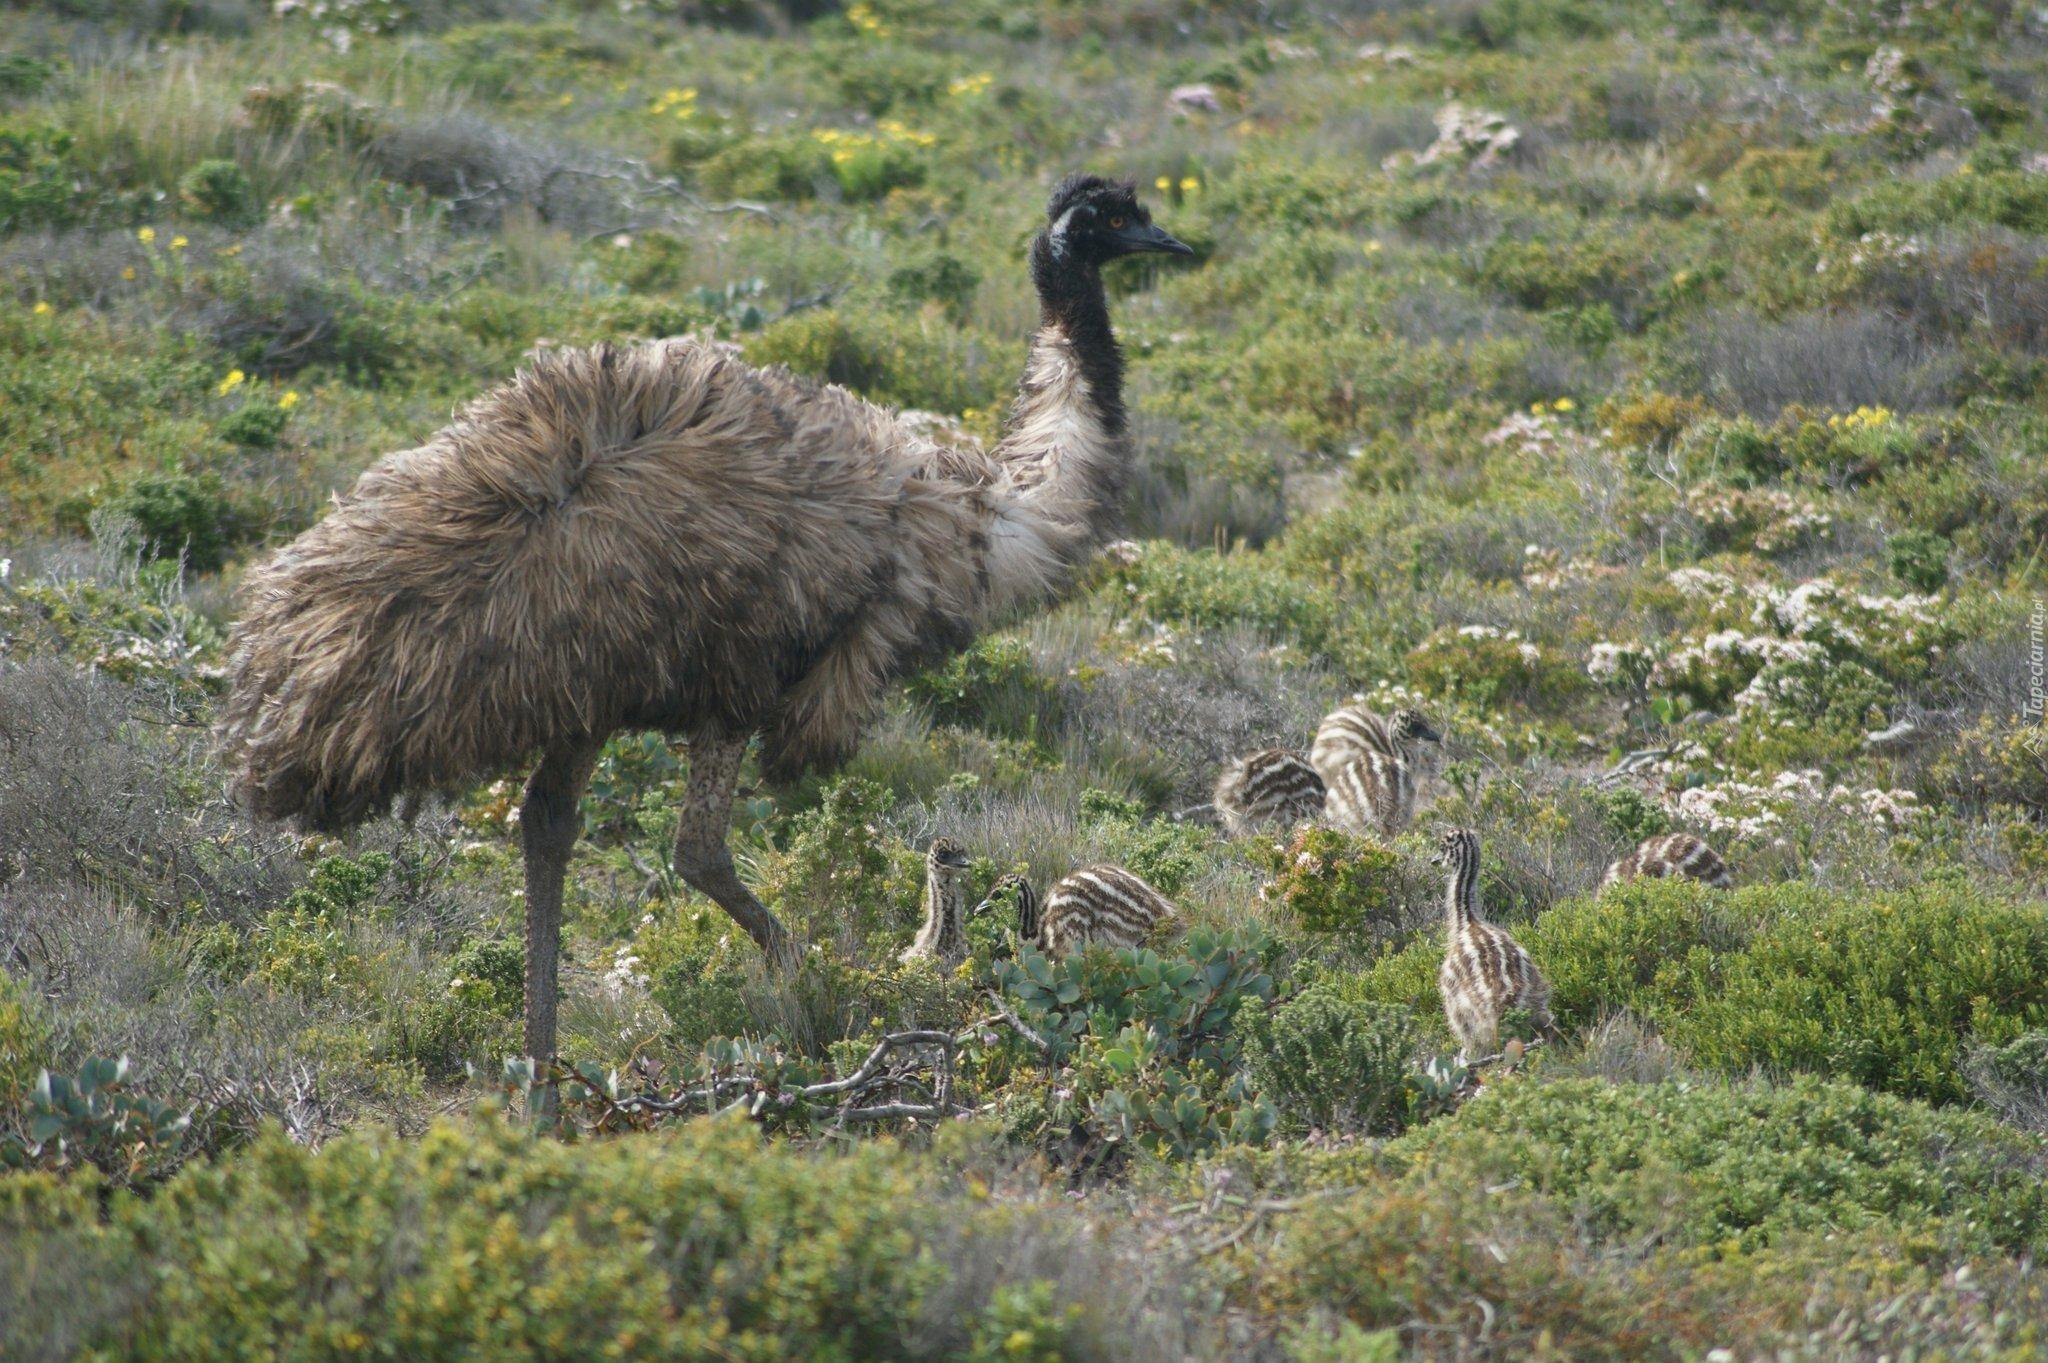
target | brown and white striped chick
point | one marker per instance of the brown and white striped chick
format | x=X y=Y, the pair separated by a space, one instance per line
x=1101 y=906
x=1671 y=854
x=943 y=937
x=1364 y=761
x=1095 y=906
x=1271 y=786
x=1485 y=971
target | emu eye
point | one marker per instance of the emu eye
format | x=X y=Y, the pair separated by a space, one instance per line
x=1116 y=224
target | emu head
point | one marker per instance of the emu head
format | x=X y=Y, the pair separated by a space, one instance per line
x=947 y=860
x=1090 y=220
x=1011 y=884
x=1409 y=725
x=1457 y=848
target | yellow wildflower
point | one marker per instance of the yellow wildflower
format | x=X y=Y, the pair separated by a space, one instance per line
x=146 y=235
x=42 y=308
x=235 y=379
x=179 y=243
x=1564 y=405
x=128 y=273
x=1164 y=184
x=1189 y=184
x=289 y=400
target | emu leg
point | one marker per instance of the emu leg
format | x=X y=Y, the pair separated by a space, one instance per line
x=702 y=858
x=548 y=823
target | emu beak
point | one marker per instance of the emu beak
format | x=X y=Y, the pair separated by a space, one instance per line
x=1136 y=239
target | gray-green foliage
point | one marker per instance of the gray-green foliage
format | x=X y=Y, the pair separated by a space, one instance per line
x=93 y=1119
x=1331 y=1064
x=1143 y=1047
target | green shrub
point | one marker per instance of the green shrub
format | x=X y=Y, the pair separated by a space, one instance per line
x=1883 y=989
x=23 y=76
x=699 y=980
x=218 y=191
x=480 y=1241
x=893 y=358
x=1749 y=1164
x=655 y=261
x=1331 y=1064
x=472 y=1017
x=255 y=425
x=938 y=277
x=2005 y=198
x=1919 y=558
x=1025 y=1323
x=1143 y=1045
x=633 y=790
x=1333 y=883
x=787 y=166
x=38 y=187
x=1167 y=855
x=859 y=165
x=1487 y=666
x=1631 y=815
x=994 y=686
x=92 y=1120
x=1201 y=588
x=304 y=946
x=181 y=514
x=25 y=1042
x=837 y=879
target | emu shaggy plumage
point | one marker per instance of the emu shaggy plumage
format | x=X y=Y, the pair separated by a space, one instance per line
x=664 y=537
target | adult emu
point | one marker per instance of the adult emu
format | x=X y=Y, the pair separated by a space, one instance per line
x=663 y=537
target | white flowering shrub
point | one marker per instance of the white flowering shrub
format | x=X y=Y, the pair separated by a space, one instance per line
x=1768 y=520
x=1487 y=665
x=1774 y=810
x=1816 y=654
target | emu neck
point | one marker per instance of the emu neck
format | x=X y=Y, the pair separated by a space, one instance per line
x=942 y=911
x=1073 y=308
x=1461 y=897
x=1065 y=449
x=1027 y=913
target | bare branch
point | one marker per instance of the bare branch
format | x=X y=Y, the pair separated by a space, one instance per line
x=1017 y=1024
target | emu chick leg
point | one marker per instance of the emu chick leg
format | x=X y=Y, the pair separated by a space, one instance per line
x=548 y=823
x=702 y=858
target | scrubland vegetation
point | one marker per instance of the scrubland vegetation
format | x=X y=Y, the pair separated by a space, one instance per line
x=1604 y=377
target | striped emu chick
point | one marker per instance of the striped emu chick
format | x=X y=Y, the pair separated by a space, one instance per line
x=1364 y=761
x=1485 y=971
x=1271 y=786
x=1672 y=854
x=1100 y=906
x=944 y=935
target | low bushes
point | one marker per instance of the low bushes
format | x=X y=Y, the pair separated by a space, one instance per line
x=477 y=1240
x=1747 y=1165
x=1331 y=1064
x=1142 y=1048
x=1578 y=1219
x=1884 y=989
